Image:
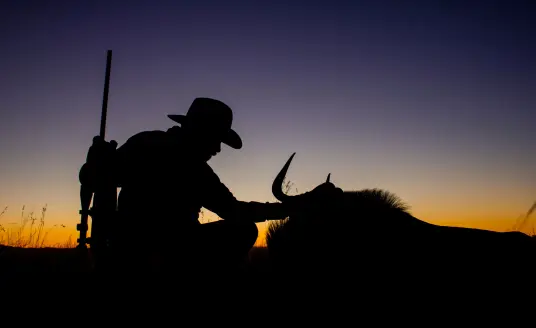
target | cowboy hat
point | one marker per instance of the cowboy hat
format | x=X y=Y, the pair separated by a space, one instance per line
x=214 y=115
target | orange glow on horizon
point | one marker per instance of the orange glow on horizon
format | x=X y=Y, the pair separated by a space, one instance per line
x=60 y=228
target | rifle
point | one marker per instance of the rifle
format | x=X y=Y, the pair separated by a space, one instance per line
x=98 y=184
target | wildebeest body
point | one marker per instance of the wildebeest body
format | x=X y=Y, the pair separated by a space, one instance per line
x=370 y=233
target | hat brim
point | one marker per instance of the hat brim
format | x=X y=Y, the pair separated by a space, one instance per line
x=231 y=138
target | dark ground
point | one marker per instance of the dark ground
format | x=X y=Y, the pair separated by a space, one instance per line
x=15 y=261
x=64 y=272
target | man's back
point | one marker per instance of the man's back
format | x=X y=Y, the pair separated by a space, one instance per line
x=157 y=181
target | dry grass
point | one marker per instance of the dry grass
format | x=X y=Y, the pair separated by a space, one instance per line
x=30 y=231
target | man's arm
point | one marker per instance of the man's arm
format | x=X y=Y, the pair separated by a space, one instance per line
x=221 y=201
x=260 y=212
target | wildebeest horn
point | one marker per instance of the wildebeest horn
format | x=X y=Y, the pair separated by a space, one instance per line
x=277 y=185
x=327 y=180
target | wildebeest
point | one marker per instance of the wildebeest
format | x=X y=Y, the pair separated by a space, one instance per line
x=331 y=233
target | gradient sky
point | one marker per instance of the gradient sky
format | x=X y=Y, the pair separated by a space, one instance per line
x=432 y=100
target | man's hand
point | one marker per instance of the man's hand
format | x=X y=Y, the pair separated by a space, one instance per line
x=100 y=163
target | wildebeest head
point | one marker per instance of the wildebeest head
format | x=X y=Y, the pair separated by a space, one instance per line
x=328 y=202
x=325 y=193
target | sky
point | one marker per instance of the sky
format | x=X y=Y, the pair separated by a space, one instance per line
x=431 y=100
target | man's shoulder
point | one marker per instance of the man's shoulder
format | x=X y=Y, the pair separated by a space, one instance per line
x=148 y=135
x=147 y=138
x=145 y=143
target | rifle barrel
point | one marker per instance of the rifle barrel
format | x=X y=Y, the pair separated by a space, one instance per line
x=105 y=96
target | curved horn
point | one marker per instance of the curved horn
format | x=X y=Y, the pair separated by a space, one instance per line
x=277 y=185
x=327 y=180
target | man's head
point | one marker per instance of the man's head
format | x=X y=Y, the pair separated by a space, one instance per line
x=206 y=125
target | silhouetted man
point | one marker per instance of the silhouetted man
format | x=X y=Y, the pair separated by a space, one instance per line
x=165 y=181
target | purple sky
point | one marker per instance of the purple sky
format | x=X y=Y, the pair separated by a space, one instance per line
x=435 y=102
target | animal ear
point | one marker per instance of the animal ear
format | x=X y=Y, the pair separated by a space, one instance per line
x=327 y=180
